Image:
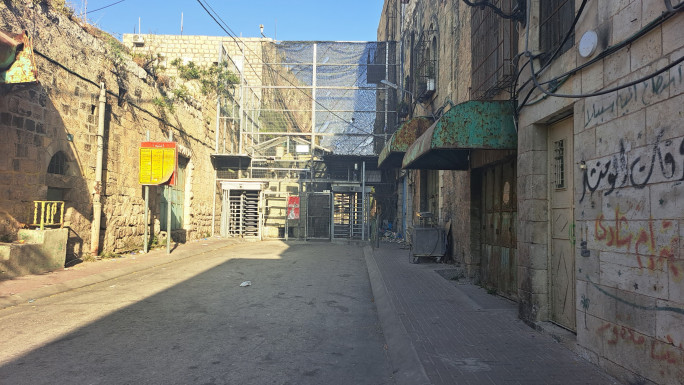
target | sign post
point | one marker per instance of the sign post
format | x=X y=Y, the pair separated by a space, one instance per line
x=158 y=162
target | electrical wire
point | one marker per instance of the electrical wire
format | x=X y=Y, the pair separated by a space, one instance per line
x=608 y=51
x=515 y=15
x=231 y=34
x=111 y=93
x=608 y=90
x=106 y=6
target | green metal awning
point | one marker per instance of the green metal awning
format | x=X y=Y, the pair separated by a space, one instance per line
x=472 y=125
x=399 y=142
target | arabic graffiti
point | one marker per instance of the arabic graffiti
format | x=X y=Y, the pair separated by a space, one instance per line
x=658 y=351
x=661 y=162
x=643 y=94
x=651 y=253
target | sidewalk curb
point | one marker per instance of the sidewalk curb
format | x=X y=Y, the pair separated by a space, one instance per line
x=407 y=368
x=183 y=252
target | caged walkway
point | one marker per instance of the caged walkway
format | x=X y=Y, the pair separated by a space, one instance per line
x=443 y=331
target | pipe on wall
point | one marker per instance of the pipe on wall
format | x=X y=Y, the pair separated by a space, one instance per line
x=97 y=185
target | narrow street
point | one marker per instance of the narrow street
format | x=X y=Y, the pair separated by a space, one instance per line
x=307 y=318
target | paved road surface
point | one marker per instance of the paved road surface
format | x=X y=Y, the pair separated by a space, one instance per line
x=308 y=318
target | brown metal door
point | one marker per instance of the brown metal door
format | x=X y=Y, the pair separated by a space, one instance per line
x=561 y=258
x=499 y=217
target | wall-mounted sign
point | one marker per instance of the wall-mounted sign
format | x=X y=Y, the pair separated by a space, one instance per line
x=158 y=162
x=292 y=207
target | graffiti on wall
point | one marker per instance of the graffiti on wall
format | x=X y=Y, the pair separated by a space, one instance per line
x=661 y=162
x=658 y=351
x=643 y=241
x=642 y=94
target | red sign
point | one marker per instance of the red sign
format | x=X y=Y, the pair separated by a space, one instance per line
x=292 y=207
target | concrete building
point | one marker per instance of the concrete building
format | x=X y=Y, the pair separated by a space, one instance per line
x=581 y=220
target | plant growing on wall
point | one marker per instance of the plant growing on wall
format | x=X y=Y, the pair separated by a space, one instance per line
x=217 y=79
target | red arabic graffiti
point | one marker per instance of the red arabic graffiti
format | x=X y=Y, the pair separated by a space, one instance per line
x=623 y=333
x=616 y=233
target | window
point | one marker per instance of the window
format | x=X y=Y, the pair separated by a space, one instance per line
x=426 y=64
x=58 y=164
x=494 y=42
x=559 y=164
x=555 y=19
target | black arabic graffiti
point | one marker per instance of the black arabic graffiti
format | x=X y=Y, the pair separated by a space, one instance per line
x=617 y=171
x=637 y=93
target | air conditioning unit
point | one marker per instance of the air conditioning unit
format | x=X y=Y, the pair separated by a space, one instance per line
x=138 y=40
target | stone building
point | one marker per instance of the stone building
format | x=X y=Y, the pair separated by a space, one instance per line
x=296 y=127
x=580 y=222
x=49 y=138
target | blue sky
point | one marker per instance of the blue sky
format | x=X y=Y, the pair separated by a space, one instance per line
x=351 y=20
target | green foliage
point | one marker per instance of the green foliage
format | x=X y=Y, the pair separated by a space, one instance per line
x=116 y=52
x=188 y=71
x=181 y=92
x=217 y=79
x=149 y=62
x=164 y=103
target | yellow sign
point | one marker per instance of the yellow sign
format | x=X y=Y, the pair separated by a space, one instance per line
x=157 y=163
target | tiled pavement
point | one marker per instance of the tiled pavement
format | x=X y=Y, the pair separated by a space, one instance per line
x=461 y=334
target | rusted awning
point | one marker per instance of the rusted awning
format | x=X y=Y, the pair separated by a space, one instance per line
x=16 y=59
x=399 y=142
x=472 y=125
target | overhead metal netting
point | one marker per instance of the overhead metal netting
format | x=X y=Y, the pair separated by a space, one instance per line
x=328 y=95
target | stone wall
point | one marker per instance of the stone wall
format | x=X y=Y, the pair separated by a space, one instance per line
x=451 y=22
x=628 y=196
x=60 y=113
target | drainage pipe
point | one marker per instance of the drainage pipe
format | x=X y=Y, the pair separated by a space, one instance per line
x=97 y=185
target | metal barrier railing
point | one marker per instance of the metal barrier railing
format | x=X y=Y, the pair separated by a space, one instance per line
x=48 y=213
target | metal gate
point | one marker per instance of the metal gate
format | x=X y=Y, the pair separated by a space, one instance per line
x=242 y=217
x=318 y=215
x=348 y=217
x=275 y=214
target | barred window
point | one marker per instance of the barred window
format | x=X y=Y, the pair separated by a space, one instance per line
x=559 y=164
x=494 y=42
x=58 y=164
x=556 y=18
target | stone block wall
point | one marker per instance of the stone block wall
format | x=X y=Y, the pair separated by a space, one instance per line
x=628 y=195
x=451 y=22
x=60 y=113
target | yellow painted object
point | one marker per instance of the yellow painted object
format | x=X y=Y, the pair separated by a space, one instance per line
x=23 y=68
x=48 y=213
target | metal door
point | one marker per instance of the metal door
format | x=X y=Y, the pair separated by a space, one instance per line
x=499 y=222
x=176 y=195
x=561 y=250
x=318 y=215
